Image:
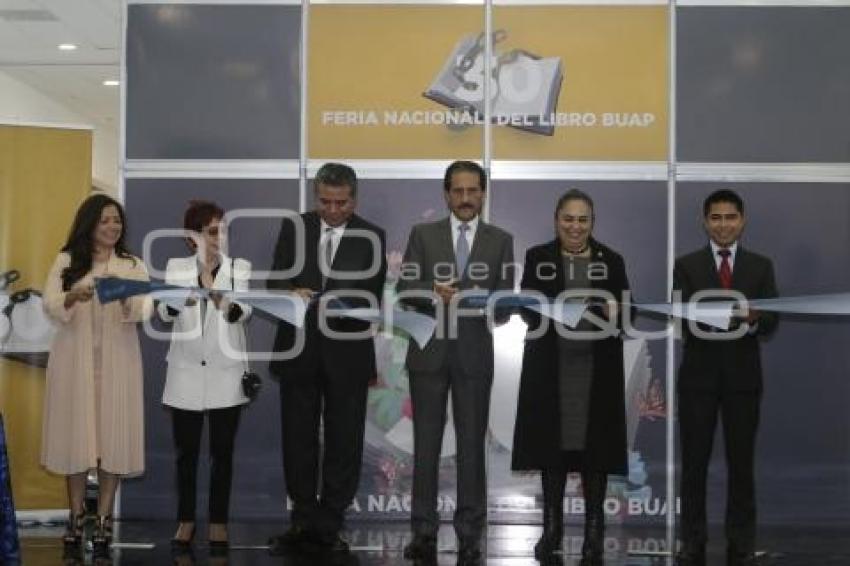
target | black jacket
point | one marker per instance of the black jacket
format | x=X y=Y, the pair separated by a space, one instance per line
x=733 y=365
x=536 y=435
x=354 y=253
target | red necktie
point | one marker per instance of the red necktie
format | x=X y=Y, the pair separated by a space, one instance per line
x=725 y=271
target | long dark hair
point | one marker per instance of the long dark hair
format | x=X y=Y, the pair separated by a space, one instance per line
x=80 y=243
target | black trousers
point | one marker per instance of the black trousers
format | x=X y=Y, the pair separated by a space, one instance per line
x=470 y=411
x=187 y=428
x=320 y=484
x=698 y=412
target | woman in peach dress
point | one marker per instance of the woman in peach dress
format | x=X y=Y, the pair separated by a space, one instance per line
x=93 y=402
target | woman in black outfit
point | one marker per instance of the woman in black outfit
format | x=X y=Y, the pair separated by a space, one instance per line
x=571 y=407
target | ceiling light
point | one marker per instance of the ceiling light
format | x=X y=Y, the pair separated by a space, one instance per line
x=67 y=47
x=111 y=82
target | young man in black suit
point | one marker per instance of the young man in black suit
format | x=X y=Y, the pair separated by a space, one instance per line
x=328 y=379
x=721 y=375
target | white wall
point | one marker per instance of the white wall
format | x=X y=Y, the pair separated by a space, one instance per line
x=20 y=102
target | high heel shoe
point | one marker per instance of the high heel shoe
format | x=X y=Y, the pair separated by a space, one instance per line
x=72 y=539
x=219 y=547
x=182 y=546
x=101 y=540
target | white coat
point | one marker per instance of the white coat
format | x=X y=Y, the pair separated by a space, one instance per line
x=206 y=360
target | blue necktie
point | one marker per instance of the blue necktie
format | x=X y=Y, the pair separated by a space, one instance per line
x=462 y=249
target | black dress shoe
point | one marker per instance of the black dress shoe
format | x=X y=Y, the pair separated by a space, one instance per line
x=180 y=546
x=593 y=547
x=219 y=547
x=470 y=555
x=691 y=555
x=333 y=543
x=422 y=549
x=295 y=539
x=552 y=560
x=738 y=558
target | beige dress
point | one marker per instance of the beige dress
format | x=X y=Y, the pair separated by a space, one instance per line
x=93 y=405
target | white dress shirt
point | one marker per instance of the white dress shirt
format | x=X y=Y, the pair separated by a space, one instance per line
x=733 y=249
x=470 y=234
x=334 y=233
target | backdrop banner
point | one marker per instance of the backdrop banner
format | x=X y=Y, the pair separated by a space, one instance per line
x=568 y=82
x=46 y=172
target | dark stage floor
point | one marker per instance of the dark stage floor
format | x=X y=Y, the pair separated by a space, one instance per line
x=375 y=544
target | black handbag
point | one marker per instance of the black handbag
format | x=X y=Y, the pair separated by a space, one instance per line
x=251 y=382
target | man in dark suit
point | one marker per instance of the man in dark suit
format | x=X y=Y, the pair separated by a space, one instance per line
x=449 y=256
x=328 y=379
x=721 y=374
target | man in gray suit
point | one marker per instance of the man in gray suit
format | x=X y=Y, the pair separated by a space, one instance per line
x=444 y=258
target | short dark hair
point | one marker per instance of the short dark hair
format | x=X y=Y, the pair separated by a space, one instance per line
x=200 y=213
x=336 y=175
x=464 y=166
x=575 y=194
x=723 y=195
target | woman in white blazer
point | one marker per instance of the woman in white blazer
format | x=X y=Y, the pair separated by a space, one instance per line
x=206 y=362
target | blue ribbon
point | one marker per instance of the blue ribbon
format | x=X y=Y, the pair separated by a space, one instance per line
x=114 y=288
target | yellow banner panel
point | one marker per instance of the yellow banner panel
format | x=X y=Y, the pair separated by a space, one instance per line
x=44 y=175
x=568 y=82
x=612 y=104
x=368 y=67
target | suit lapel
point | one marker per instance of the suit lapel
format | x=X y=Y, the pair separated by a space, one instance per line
x=557 y=258
x=478 y=244
x=342 y=248
x=445 y=246
x=740 y=269
x=599 y=256
x=710 y=267
x=189 y=272
x=345 y=251
x=222 y=282
x=189 y=277
x=312 y=233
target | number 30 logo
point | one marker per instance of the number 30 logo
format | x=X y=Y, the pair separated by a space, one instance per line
x=517 y=80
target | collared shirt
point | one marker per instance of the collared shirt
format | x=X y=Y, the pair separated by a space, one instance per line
x=335 y=233
x=470 y=234
x=733 y=249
